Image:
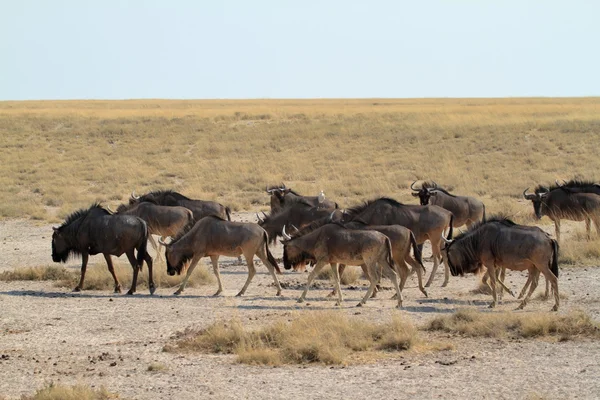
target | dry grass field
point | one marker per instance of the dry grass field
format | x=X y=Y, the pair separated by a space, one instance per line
x=63 y=155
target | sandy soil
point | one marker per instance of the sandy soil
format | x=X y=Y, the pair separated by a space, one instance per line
x=94 y=337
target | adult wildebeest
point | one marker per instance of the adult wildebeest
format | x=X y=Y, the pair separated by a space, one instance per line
x=425 y=222
x=466 y=210
x=200 y=208
x=334 y=244
x=298 y=214
x=499 y=243
x=213 y=236
x=161 y=220
x=95 y=230
x=282 y=197
x=575 y=201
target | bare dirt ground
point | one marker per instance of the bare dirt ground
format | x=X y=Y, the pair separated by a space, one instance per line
x=98 y=338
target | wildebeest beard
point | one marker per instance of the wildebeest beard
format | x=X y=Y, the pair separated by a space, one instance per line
x=171 y=270
x=298 y=260
x=59 y=257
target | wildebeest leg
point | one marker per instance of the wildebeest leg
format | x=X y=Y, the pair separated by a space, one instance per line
x=193 y=264
x=155 y=246
x=136 y=269
x=492 y=276
x=529 y=280
x=151 y=286
x=84 y=261
x=417 y=267
x=535 y=274
x=554 y=282
x=265 y=259
x=373 y=279
x=311 y=277
x=336 y=284
x=215 y=264
x=557 y=229
x=390 y=272
x=588 y=228
x=251 y=272
x=111 y=269
x=341 y=269
x=547 y=292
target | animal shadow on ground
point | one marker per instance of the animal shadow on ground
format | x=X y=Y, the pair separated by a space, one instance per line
x=35 y=293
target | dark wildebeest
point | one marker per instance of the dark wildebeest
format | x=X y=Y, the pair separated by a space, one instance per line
x=466 y=210
x=425 y=222
x=161 y=220
x=95 y=230
x=334 y=244
x=282 y=197
x=297 y=215
x=213 y=236
x=500 y=243
x=575 y=201
x=200 y=208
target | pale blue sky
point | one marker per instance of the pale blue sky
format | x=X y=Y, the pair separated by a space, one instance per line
x=298 y=49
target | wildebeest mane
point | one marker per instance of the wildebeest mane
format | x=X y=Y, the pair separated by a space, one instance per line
x=444 y=191
x=81 y=213
x=579 y=185
x=313 y=226
x=356 y=210
x=499 y=218
x=163 y=193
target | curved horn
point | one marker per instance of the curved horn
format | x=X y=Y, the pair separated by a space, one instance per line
x=110 y=209
x=265 y=214
x=331 y=216
x=259 y=218
x=557 y=183
x=161 y=241
x=412 y=186
x=133 y=196
x=446 y=240
x=285 y=235
x=528 y=196
x=294 y=226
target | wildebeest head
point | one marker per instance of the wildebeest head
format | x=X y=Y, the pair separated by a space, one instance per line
x=277 y=194
x=537 y=199
x=177 y=261
x=293 y=255
x=458 y=253
x=424 y=194
x=60 y=246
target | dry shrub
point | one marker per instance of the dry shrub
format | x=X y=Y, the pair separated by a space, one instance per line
x=77 y=392
x=578 y=250
x=517 y=325
x=42 y=273
x=157 y=367
x=350 y=275
x=328 y=338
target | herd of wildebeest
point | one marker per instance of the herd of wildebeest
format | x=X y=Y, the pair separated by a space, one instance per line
x=383 y=236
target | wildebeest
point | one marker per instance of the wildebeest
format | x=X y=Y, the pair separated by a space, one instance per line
x=282 y=197
x=161 y=220
x=402 y=239
x=334 y=244
x=499 y=243
x=575 y=201
x=466 y=210
x=200 y=208
x=425 y=222
x=213 y=236
x=95 y=230
x=298 y=214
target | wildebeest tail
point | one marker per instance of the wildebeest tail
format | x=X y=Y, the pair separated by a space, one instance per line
x=142 y=250
x=416 y=250
x=554 y=265
x=228 y=212
x=388 y=257
x=451 y=223
x=484 y=213
x=270 y=257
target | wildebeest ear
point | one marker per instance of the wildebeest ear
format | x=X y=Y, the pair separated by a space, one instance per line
x=415 y=194
x=55 y=229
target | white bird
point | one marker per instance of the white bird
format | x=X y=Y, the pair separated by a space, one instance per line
x=321 y=197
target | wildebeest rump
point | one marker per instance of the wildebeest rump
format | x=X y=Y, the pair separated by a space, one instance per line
x=213 y=236
x=575 y=201
x=426 y=223
x=465 y=209
x=95 y=230
x=200 y=208
x=161 y=220
x=282 y=197
x=297 y=215
x=334 y=244
x=498 y=243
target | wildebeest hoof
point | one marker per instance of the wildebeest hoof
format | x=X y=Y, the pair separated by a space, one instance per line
x=425 y=293
x=555 y=308
x=239 y=294
x=218 y=292
x=77 y=289
x=492 y=305
x=177 y=293
x=444 y=284
x=359 y=304
x=428 y=284
x=331 y=294
x=338 y=304
x=300 y=300
x=118 y=289
x=129 y=292
x=152 y=290
x=278 y=293
x=394 y=297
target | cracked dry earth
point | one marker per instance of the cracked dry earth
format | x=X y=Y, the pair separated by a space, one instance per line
x=49 y=334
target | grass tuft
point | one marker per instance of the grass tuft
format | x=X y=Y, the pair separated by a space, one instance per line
x=77 y=392
x=517 y=325
x=327 y=338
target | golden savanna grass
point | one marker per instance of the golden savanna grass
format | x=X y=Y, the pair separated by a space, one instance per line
x=64 y=392
x=326 y=337
x=472 y=323
x=97 y=277
x=59 y=156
